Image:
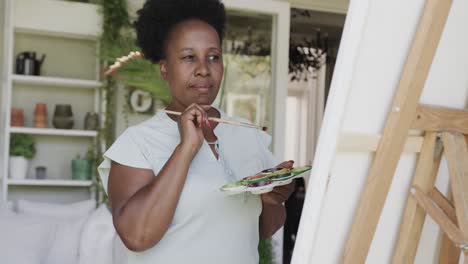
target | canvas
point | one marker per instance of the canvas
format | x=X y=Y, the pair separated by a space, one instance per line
x=376 y=41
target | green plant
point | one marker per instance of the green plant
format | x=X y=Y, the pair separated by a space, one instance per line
x=118 y=39
x=22 y=145
x=265 y=251
x=85 y=157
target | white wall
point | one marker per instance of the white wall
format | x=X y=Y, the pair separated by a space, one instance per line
x=2 y=15
x=2 y=88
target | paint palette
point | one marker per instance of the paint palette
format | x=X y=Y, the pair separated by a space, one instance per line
x=265 y=180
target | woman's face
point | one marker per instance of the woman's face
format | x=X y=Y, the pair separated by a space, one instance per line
x=193 y=65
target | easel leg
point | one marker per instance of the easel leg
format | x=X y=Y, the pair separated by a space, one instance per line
x=414 y=215
x=457 y=159
x=449 y=253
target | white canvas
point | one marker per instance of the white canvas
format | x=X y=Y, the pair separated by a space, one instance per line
x=375 y=43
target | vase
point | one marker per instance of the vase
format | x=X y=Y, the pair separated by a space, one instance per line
x=17 y=117
x=18 y=167
x=81 y=169
x=63 y=116
x=40 y=115
x=91 y=121
x=41 y=172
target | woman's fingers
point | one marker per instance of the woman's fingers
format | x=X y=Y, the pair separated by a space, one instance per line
x=286 y=164
x=279 y=194
x=284 y=191
x=196 y=114
x=203 y=116
x=203 y=109
x=272 y=198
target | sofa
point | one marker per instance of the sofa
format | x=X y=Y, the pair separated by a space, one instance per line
x=44 y=233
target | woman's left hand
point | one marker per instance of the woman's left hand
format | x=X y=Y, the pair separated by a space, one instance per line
x=280 y=194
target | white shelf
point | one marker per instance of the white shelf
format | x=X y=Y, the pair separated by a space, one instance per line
x=53 y=132
x=58 y=18
x=58 y=183
x=54 y=81
x=49 y=33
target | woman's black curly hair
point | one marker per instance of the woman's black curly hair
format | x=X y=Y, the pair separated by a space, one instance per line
x=157 y=18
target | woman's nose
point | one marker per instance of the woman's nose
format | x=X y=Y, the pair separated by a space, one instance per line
x=202 y=68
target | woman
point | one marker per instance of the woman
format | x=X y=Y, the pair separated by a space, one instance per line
x=163 y=175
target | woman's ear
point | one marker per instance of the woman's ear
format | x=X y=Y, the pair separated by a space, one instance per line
x=163 y=69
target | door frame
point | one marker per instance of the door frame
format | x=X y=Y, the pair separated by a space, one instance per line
x=280 y=12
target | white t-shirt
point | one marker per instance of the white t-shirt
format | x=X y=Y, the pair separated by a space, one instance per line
x=208 y=225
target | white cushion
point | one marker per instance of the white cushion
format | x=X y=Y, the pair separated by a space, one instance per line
x=66 y=243
x=6 y=209
x=120 y=251
x=69 y=220
x=24 y=240
x=10 y=205
x=97 y=238
x=64 y=211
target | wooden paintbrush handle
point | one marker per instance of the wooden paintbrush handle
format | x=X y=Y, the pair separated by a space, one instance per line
x=236 y=123
x=219 y=120
x=170 y=112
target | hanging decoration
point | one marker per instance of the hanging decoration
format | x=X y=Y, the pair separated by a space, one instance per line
x=307 y=56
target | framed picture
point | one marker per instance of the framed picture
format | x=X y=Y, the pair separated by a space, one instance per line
x=244 y=105
x=140 y=101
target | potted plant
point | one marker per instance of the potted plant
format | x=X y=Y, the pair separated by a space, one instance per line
x=22 y=149
x=82 y=167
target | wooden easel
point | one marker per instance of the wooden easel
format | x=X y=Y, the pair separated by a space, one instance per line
x=447 y=124
x=446 y=132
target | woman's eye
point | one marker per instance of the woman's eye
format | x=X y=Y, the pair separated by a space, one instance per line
x=188 y=57
x=213 y=57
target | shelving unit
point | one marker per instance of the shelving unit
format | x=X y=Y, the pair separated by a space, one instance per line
x=68 y=33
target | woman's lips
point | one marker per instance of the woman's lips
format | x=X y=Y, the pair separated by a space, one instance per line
x=201 y=88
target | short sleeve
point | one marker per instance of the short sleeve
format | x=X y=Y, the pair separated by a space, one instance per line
x=268 y=159
x=125 y=151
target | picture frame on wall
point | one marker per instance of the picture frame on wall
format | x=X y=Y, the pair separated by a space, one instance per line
x=246 y=106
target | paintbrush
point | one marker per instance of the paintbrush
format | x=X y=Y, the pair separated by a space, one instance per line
x=219 y=120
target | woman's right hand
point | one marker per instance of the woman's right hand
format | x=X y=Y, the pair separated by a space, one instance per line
x=190 y=124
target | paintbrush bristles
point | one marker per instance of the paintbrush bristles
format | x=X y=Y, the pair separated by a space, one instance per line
x=120 y=61
x=219 y=120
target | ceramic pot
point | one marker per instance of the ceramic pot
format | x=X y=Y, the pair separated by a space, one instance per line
x=63 y=117
x=17 y=117
x=18 y=167
x=41 y=172
x=40 y=115
x=91 y=121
